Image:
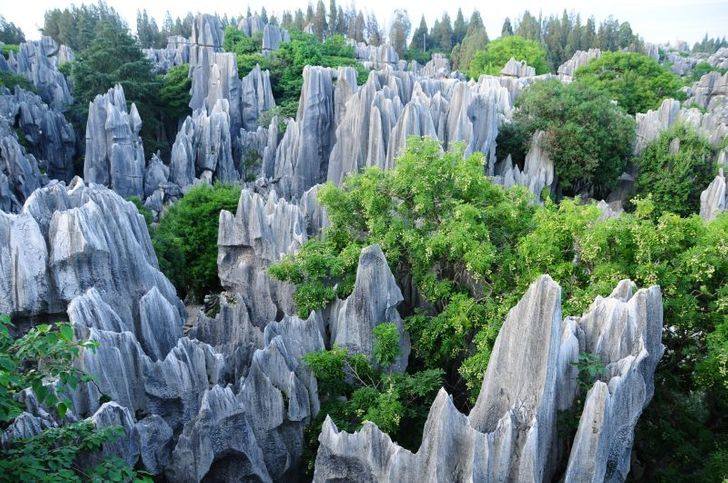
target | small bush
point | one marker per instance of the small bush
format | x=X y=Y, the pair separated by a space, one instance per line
x=675 y=180
x=497 y=53
x=186 y=239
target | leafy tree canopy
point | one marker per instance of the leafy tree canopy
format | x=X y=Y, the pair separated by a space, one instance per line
x=498 y=52
x=588 y=138
x=674 y=169
x=186 y=239
x=637 y=82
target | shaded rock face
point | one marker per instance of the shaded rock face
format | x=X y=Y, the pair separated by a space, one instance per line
x=378 y=57
x=19 y=171
x=47 y=134
x=272 y=35
x=714 y=199
x=538 y=170
x=176 y=53
x=719 y=59
x=263 y=230
x=302 y=155
x=114 y=151
x=711 y=93
x=579 y=59
x=511 y=434
x=257 y=97
x=38 y=61
x=373 y=301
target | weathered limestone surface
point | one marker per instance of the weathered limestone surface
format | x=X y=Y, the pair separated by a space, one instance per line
x=538 y=170
x=714 y=199
x=176 y=53
x=38 y=61
x=373 y=301
x=515 y=68
x=47 y=134
x=114 y=151
x=511 y=433
x=263 y=230
x=68 y=240
x=19 y=171
x=579 y=59
x=719 y=59
x=256 y=97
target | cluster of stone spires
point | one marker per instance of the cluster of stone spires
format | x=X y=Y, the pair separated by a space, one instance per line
x=230 y=399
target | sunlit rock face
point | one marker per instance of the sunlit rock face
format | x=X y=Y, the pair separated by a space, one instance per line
x=512 y=431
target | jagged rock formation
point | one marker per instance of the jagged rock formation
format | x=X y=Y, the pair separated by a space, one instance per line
x=68 y=240
x=19 y=172
x=714 y=200
x=47 y=134
x=679 y=64
x=514 y=68
x=373 y=301
x=176 y=53
x=378 y=57
x=579 y=59
x=719 y=59
x=437 y=67
x=712 y=124
x=263 y=230
x=393 y=105
x=114 y=151
x=538 y=170
x=38 y=61
x=272 y=35
x=711 y=93
x=511 y=433
x=302 y=155
x=257 y=97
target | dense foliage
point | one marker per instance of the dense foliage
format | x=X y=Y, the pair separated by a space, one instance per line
x=354 y=391
x=10 y=80
x=471 y=249
x=46 y=353
x=76 y=26
x=10 y=33
x=186 y=239
x=674 y=169
x=174 y=93
x=588 y=138
x=498 y=52
x=637 y=82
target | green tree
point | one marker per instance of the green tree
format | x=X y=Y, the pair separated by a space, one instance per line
x=637 y=82
x=113 y=57
x=175 y=92
x=674 y=169
x=507 y=28
x=186 y=239
x=475 y=39
x=588 y=138
x=43 y=354
x=399 y=31
x=10 y=33
x=459 y=28
x=76 y=26
x=420 y=39
x=497 y=53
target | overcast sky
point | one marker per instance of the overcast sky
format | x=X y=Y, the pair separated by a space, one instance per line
x=656 y=20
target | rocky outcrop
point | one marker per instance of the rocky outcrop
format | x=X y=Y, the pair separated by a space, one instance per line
x=719 y=59
x=512 y=433
x=302 y=155
x=263 y=230
x=680 y=64
x=393 y=105
x=38 y=61
x=713 y=124
x=46 y=133
x=114 y=151
x=714 y=200
x=257 y=97
x=68 y=240
x=538 y=170
x=710 y=93
x=176 y=53
x=377 y=57
x=579 y=59
x=19 y=171
x=437 y=67
x=515 y=68
x=373 y=301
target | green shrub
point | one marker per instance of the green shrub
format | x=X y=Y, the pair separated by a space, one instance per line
x=497 y=53
x=386 y=344
x=175 y=92
x=10 y=80
x=637 y=82
x=675 y=181
x=588 y=138
x=46 y=353
x=5 y=49
x=186 y=239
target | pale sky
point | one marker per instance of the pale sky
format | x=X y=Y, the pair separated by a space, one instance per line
x=655 y=20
